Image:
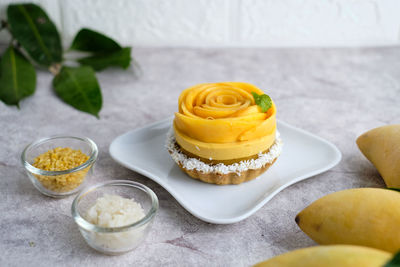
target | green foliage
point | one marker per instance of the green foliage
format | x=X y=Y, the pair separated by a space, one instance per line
x=17 y=77
x=91 y=41
x=79 y=87
x=105 y=51
x=394 y=262
x=100 y=61
x=35 y=35
x=394 y=189
x=264 y=101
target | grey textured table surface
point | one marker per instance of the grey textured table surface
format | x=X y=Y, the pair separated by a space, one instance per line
x=334 y=93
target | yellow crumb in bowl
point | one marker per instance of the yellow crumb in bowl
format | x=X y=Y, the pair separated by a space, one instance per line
x=61 y=159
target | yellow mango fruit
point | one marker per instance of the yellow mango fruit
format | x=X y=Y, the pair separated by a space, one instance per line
x=222 y=121
x=363 y=216
x=208 y=113
x=381 y=146
x=267 y=127
x=247 y=111
x=223 y=113
x=224 y=151
x=214 y=131
x=330 y=256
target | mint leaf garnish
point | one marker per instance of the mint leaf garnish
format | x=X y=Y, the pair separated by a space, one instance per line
x=264 y=101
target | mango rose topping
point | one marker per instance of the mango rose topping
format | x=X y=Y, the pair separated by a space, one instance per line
x=221 y=121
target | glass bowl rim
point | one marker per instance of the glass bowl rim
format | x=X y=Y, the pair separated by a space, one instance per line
x=83 y=223
x=34 y=170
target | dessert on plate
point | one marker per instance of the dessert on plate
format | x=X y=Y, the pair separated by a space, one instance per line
x=224 y=133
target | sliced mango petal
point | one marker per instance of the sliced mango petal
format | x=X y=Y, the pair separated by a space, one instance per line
x=225 y=151
x=223 y=113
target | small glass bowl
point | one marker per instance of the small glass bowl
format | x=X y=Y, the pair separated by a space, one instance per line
x=115 y=240
x=59 y=183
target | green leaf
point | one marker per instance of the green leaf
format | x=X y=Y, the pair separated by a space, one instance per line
x=17 y=77
x=78 y=87
x=106 y=52
x=264 y=101
x=394 y=189
x=37 y=34
x=394 y=262
x=100 y=61
x=91 y=41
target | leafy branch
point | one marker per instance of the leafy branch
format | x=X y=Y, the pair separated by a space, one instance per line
x=3 y=24
x=36 y=41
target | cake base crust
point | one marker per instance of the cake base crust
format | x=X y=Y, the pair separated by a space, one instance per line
x=228 y=178
x=237 y=172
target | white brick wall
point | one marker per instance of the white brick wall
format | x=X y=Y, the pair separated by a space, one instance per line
x=229 y=22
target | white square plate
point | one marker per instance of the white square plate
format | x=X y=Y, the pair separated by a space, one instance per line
x=303 y=155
